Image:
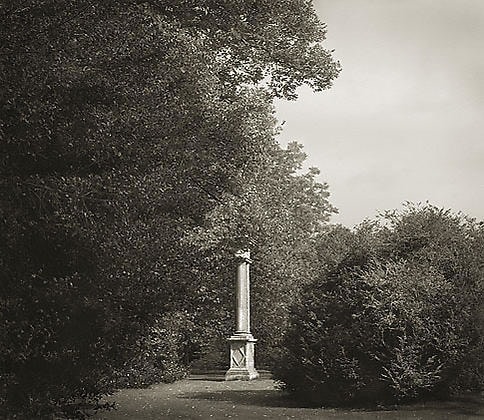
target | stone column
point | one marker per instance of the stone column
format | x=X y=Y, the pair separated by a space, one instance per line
x=242 y=307
x=242 y=342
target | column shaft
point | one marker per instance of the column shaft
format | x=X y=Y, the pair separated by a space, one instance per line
x=243 y=302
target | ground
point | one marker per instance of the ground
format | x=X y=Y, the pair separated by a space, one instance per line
x=210 y=397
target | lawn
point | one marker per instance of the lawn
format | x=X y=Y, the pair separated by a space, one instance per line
x=210 y=397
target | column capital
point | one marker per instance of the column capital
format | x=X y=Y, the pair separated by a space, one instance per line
x=243 y=255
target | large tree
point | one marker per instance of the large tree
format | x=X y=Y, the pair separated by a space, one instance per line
x=122 y=123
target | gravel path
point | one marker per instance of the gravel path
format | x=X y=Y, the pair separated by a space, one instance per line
x=210 y=397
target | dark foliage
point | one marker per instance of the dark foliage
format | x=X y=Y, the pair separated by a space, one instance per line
x=122 y=124
x=396 y=314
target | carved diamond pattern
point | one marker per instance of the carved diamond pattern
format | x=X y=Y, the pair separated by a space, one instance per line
x=238 y=357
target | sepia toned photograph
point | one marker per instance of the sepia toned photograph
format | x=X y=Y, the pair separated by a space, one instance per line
x=252 y=209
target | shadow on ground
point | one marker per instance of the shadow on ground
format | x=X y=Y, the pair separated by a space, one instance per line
x=468 y=406
x=210 y=378
x=258 y=398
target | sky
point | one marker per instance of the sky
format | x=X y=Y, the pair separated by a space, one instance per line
x=404 y=120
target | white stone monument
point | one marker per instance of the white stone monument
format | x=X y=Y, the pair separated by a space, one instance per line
x=242 y=342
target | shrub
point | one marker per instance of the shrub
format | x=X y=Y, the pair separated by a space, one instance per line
x=392 y=326
x=164 y=355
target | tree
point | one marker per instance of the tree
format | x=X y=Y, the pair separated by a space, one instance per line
x=122 y=123
x=277 y=214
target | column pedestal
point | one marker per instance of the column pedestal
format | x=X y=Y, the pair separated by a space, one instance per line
x=241 y=358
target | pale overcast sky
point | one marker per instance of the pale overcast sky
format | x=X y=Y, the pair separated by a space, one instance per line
x=404 y=121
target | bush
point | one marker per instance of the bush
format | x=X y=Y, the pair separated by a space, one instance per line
x=121 y=126
x=164 y=355
x=55 y=347
x=394 y=325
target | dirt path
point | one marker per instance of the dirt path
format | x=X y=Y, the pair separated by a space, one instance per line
x=210 y=397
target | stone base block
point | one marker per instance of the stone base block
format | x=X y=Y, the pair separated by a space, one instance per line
x=242 y=358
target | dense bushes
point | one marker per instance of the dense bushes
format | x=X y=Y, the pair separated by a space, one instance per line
x=164 y=354
x=122 y=125
x=395 y=315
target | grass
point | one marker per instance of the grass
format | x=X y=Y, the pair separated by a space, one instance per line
x=210 y=397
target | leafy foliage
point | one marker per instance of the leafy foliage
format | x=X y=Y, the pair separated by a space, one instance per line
x=122 y=124
x=396 y=322
x=161 y=355
x=277 y=214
